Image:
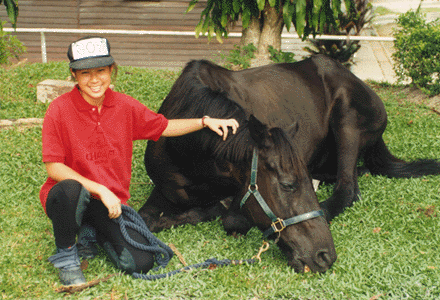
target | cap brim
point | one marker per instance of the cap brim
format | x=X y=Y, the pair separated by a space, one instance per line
x=93 y=62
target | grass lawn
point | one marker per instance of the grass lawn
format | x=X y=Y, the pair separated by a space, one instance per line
x=387 y=243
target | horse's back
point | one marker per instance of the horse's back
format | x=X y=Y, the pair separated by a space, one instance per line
x=314 y=93
x=277 y=94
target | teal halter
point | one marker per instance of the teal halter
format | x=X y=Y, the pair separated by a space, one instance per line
x=278 y=224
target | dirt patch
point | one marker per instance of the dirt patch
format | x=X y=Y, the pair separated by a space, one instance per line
x=30 y=122
x=429 y=211
x=15 y=63
x=414 y=95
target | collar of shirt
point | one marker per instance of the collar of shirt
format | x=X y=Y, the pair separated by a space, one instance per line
x=82 y=105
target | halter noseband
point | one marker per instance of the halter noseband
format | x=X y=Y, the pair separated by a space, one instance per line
x=278 y=224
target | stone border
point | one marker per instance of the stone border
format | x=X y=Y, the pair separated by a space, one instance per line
x=20 y=122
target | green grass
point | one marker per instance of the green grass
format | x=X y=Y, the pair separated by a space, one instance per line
x=387 y=243
x=18 y=93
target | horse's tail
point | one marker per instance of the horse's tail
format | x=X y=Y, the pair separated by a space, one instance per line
x=379 y=160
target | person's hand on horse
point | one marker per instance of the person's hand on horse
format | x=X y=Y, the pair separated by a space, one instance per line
x=220 y=126
x=111 y=201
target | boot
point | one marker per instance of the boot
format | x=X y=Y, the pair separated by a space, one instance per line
x=67 y=261
x=87 y=242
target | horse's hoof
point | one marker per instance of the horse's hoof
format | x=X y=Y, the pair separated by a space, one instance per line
x=234 y=223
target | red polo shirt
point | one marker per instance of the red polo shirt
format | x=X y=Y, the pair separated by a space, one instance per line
x=98 y=146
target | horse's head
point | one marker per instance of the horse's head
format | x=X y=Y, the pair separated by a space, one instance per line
x=281 y=200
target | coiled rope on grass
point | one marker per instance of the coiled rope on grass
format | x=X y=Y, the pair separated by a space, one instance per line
x=162 y=252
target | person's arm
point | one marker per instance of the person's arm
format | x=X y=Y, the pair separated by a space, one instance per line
x=59 y=171
x=178 y=127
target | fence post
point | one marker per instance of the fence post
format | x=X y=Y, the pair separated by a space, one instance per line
x=43 y=48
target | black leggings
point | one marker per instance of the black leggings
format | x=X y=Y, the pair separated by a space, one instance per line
x=69 y=206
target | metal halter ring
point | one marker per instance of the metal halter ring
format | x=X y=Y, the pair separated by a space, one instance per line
x=255 y=186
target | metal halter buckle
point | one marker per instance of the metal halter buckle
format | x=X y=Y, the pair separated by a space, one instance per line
x=274 y=225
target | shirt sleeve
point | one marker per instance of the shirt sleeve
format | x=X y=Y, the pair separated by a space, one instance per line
x=148 y=125
x=53 y=149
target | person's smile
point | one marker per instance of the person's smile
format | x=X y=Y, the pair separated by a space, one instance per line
x=93 y=83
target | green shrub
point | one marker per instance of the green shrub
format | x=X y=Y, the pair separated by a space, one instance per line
x=417 y=45
x=278 y=56
x=340 y=50
x=240 y=57
x=10 y=46
x=357 y=15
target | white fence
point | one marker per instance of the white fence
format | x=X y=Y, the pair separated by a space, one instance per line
x=285 y=36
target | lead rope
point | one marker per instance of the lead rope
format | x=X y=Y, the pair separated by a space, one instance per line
x=163 y=252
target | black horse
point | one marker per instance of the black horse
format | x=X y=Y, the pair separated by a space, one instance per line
x=311 y=119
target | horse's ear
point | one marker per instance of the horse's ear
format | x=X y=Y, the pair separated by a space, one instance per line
x=259 y=132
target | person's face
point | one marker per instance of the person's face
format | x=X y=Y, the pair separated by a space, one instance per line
x=93 y=83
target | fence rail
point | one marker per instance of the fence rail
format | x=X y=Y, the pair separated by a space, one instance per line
x=42 y=32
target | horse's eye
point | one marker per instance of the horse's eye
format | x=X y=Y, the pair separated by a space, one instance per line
x=289 y=187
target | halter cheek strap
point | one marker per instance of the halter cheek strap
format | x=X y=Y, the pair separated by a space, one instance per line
x=278 y=224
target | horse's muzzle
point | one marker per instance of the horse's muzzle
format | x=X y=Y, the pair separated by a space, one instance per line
x=319 y=262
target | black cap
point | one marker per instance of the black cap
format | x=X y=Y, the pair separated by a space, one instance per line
x=90 y=52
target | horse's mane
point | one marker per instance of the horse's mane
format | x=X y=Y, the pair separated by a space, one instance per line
x=191 y=98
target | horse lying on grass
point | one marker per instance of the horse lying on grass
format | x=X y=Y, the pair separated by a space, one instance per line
x=310 y=119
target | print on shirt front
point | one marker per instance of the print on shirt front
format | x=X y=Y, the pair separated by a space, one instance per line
x=99 y=151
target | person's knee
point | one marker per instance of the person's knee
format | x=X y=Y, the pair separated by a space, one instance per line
x=145 y=262
x=63 y=196
x=139 y=261
x=68 y=196
x=66 y=204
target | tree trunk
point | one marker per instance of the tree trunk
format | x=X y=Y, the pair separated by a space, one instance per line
x=251 y=35
x=271 y=32
x=263 y=32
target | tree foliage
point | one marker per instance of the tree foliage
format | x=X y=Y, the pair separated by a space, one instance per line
x=12 y=10
x=10 y=46
x=309 y=17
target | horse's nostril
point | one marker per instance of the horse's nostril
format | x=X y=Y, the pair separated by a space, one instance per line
x=323 y=259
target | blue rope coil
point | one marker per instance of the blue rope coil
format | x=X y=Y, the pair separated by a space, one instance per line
x=162 y=252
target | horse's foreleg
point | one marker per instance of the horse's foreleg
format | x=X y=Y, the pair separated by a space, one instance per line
x=345 y=193
x=234 y=221
x=159 y=213
x=346 y=190
x=152 y=210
